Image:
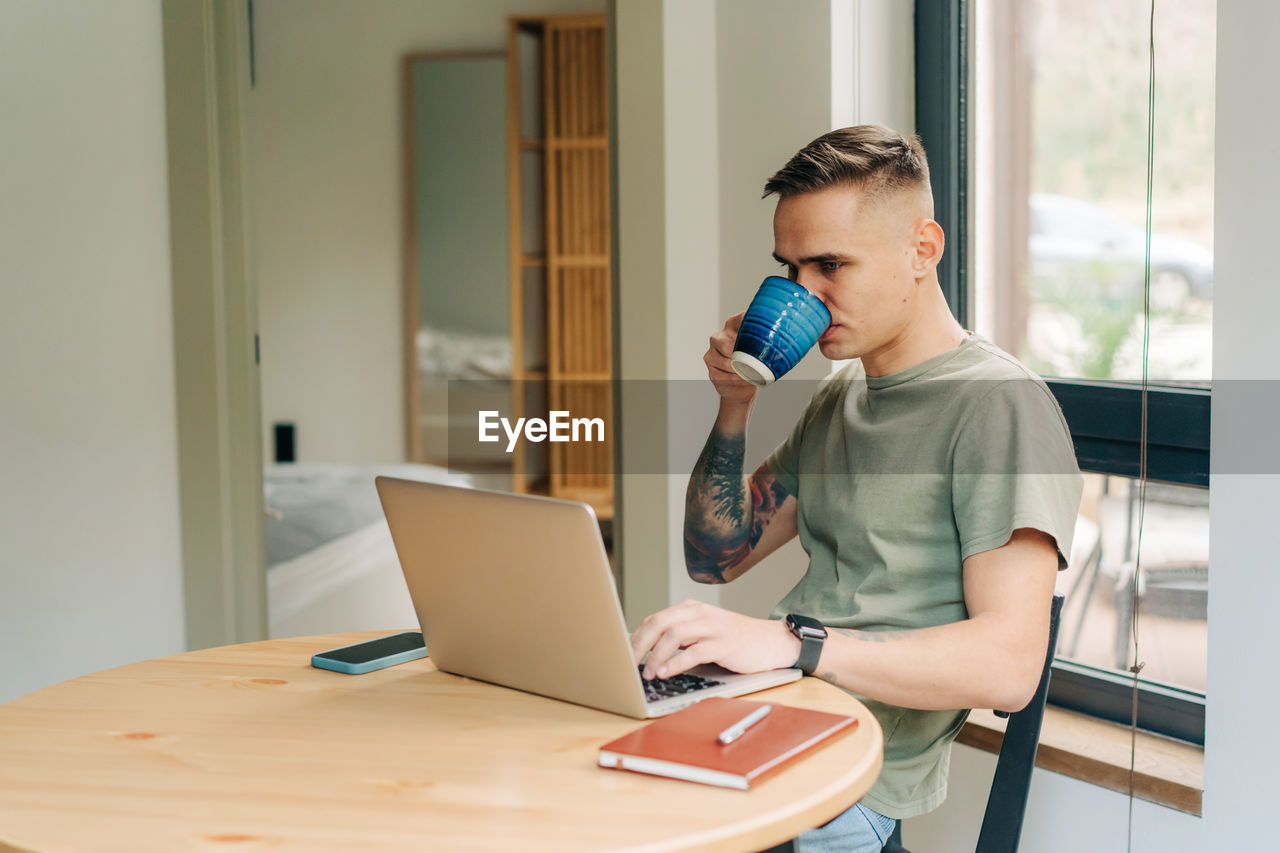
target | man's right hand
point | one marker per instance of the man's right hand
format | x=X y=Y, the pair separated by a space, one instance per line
x=731 y=387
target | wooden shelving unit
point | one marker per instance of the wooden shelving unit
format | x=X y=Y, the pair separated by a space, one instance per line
x=558 y=151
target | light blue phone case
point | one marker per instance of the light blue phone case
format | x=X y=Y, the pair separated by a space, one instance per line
x=320 y=662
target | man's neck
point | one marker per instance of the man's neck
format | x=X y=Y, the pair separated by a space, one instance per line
x=933 y=332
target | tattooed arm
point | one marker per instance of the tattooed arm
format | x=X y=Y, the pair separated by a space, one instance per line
x=732 y=522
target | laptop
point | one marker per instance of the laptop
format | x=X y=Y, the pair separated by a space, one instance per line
x=517 y=590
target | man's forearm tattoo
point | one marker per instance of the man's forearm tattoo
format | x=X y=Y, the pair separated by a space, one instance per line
x=721 y=468
x=721 y=525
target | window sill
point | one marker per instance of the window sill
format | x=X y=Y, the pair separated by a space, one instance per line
x=1167 y=772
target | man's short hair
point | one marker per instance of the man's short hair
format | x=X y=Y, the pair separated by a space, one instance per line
x=876 y=159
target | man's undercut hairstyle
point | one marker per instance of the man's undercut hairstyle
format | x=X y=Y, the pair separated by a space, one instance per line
x=876 y=159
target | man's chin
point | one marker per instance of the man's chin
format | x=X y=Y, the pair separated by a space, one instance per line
x=833 y=349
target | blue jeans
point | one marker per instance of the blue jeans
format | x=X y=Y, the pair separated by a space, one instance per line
x=858 y=830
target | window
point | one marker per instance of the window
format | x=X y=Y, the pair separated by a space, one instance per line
x=1034 y=113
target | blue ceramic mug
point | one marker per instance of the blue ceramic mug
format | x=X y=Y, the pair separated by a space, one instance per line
x=782 y=323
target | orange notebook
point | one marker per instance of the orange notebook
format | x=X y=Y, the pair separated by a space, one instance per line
x=684 y=745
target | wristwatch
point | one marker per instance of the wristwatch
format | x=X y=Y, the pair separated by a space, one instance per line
x=811 y=634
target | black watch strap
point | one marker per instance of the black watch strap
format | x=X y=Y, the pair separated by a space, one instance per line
x=812 y=634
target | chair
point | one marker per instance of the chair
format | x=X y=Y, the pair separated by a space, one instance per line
x=1007 y=800
x=1174 y=569
x=1173 y=578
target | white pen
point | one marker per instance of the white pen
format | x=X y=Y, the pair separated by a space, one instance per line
x=739 y=728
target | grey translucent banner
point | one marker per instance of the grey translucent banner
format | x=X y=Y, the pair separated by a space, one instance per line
x=939 y=427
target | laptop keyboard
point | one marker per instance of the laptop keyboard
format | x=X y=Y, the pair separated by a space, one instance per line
x=676 y=685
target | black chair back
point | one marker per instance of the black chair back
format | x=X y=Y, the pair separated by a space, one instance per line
x=1007 y=802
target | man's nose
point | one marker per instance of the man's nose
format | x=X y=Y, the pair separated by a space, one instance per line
x=811 y=282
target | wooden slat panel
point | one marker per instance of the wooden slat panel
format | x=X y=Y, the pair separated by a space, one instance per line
x=577 y=251
x=590 y=77
x=573 y=100
x=582 y=303
x=588 y=203
x=582 y=211
x=596 y=99
x=583 y=464
x=601 y=142
x=568 y=299
x=551 y=87
x=581 y=319
x=585 y=261
x=572 y=341
x=572 y=208
x=600 y=357
x=556 y=451
x=600 y=220
x=590 y=236
x=568 y=103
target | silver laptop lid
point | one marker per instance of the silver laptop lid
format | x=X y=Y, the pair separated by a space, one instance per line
x=516 y=590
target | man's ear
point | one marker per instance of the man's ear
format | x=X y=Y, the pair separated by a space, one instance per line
x=929 y=244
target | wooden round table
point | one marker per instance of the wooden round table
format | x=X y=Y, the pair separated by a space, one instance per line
x=250 y=748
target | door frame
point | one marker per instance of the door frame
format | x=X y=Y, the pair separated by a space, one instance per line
x=206 y=70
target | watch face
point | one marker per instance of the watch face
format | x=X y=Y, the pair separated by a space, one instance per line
x=805 y=626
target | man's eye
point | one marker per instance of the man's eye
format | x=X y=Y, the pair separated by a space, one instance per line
x=791 y=271
x=831 y=266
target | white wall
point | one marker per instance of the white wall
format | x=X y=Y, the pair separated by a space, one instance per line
x=883 y=63
x=324 y=183
x=1244 y=537
x=692 y=146
x=90 y=569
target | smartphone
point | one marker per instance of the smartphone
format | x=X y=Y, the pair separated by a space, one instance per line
x=372 y=654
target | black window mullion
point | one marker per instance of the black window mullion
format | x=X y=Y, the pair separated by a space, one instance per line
x=942 y=122
x=1105 y=419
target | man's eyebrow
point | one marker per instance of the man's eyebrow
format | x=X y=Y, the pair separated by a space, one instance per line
x=813 y=259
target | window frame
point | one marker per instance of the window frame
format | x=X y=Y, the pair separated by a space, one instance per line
x=1104 y=417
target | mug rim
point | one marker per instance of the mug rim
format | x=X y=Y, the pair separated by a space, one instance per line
x=795 y=284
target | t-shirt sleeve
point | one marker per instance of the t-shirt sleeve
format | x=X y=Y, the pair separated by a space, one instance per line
x=1014 y=466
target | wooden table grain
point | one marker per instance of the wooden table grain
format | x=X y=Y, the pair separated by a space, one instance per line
x=248 y=748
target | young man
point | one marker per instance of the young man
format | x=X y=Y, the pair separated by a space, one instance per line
x=931 y=481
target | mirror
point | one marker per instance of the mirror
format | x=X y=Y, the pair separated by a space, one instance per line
x=457 y=273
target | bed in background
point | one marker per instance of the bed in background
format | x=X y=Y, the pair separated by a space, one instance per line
x=331 y=566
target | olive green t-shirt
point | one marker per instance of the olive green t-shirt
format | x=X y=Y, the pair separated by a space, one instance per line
x=899 y=479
